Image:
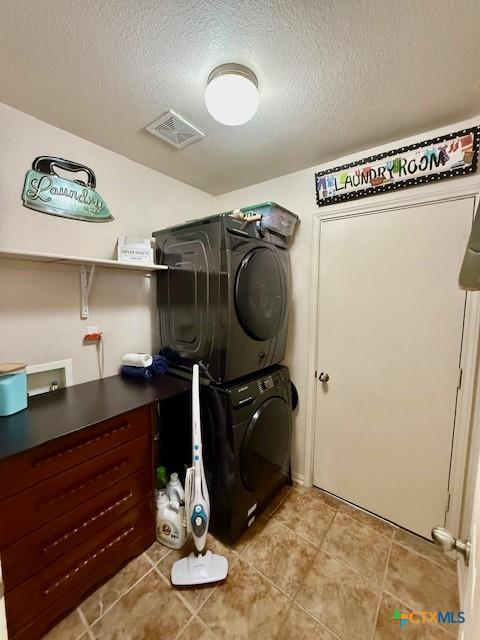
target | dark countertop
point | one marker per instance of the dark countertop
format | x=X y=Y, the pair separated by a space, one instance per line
x=55 y=414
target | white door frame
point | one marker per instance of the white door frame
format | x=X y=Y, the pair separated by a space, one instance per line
x=463 y=188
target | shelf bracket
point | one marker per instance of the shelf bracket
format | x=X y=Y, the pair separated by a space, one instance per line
x=86 y=281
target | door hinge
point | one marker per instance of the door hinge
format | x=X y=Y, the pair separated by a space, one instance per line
x=460 y=375
x=447 y=507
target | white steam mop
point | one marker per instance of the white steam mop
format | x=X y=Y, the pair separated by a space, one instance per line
x=204 y=566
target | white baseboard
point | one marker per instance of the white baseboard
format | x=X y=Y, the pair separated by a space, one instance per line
x=298 y=478
x=461 y=575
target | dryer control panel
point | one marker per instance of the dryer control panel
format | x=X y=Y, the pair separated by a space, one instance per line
x=254 y=230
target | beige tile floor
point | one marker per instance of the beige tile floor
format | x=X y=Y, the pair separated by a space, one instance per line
x=311 y=568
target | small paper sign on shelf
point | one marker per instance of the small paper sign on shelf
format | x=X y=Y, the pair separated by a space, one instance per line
x=134 y=249
x=431 y=160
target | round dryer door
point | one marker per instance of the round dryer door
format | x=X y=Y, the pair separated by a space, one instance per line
x=265 y=451
x=260 y=294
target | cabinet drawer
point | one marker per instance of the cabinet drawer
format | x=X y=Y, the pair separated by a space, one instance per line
x=82 y=564
x=44 y=546
x=30 y=510
x=51 y=458
x=49 y=617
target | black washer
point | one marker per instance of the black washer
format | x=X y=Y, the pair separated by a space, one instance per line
x=266 y=446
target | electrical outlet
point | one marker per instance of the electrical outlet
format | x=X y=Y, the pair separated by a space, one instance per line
x=92 y=334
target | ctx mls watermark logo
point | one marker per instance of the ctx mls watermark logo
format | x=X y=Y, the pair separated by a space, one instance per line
x=427 y=617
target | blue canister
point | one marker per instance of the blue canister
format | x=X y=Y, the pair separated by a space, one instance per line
x=13 y=388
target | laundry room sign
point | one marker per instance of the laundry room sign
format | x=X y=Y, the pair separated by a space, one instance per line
x=443 y=157
x=46 y=191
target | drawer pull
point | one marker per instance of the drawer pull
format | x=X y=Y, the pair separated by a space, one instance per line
x=86 y=483
x=86 y=443
x=99 y=552
x=86 y=523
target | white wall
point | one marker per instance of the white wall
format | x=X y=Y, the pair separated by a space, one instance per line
x=296 y=191
x=39 y=303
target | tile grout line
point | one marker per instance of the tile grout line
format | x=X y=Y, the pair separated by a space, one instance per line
x=401 y=600
x=124 y=593
x=318 y=548
x=338 y=558
x=199 y=608
x=322 y=624
x=208 y=627
x=283 y=620
x=252 y=566
x=382 y=588
x=317 y=551
x=323 y=501
x=182 y=629
x=391 y=537
x=372 y=582
x=269 y=515
x=411 y=608
x=305 y=575
x=425 y=557
x=362 y=524
x=282 y=522
x=285 y=526
x=433 y=562
x=176 y=591
x=321 y=549
x=262 y=575
x=195 y=615
x=296 y=533
x=195 y=611
x=85 y=624
x=252 y=538
x=355 y=509
x=147 y=557
x=239 y=556
x=149 y=560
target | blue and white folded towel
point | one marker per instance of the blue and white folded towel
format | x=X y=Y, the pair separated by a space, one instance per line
x=137 y=359
x=158 y=366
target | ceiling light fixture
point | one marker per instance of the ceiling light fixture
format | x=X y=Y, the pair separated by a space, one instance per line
x=231 y=95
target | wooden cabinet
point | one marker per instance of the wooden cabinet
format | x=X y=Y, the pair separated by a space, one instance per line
x=3 y=617
x=72 y=512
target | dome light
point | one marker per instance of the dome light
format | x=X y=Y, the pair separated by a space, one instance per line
x=231 y=95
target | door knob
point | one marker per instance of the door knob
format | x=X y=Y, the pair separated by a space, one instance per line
x=324 y=377
x=444 y=539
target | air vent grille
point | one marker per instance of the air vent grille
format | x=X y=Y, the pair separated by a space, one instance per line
x=174 y=129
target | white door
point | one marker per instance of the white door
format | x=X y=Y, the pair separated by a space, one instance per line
x=471 y=596
x=390 y=321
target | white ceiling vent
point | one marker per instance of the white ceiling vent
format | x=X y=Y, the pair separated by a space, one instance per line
x=174 y=129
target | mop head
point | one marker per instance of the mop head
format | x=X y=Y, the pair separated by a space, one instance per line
x=199 y=569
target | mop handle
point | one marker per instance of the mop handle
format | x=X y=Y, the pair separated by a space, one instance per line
x=196 y=430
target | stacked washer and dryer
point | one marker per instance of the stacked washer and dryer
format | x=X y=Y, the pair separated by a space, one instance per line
x=224 y=303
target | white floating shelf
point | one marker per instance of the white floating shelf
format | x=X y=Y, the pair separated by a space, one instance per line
x=86 y=279
x=57 y=258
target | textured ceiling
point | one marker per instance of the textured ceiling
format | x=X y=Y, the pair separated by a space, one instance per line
x=334 y=77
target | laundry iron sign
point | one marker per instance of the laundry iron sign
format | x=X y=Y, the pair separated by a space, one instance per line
x=45 y=191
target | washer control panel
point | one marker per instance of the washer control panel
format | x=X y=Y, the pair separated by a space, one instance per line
x=245 y=394
x=265 y=384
